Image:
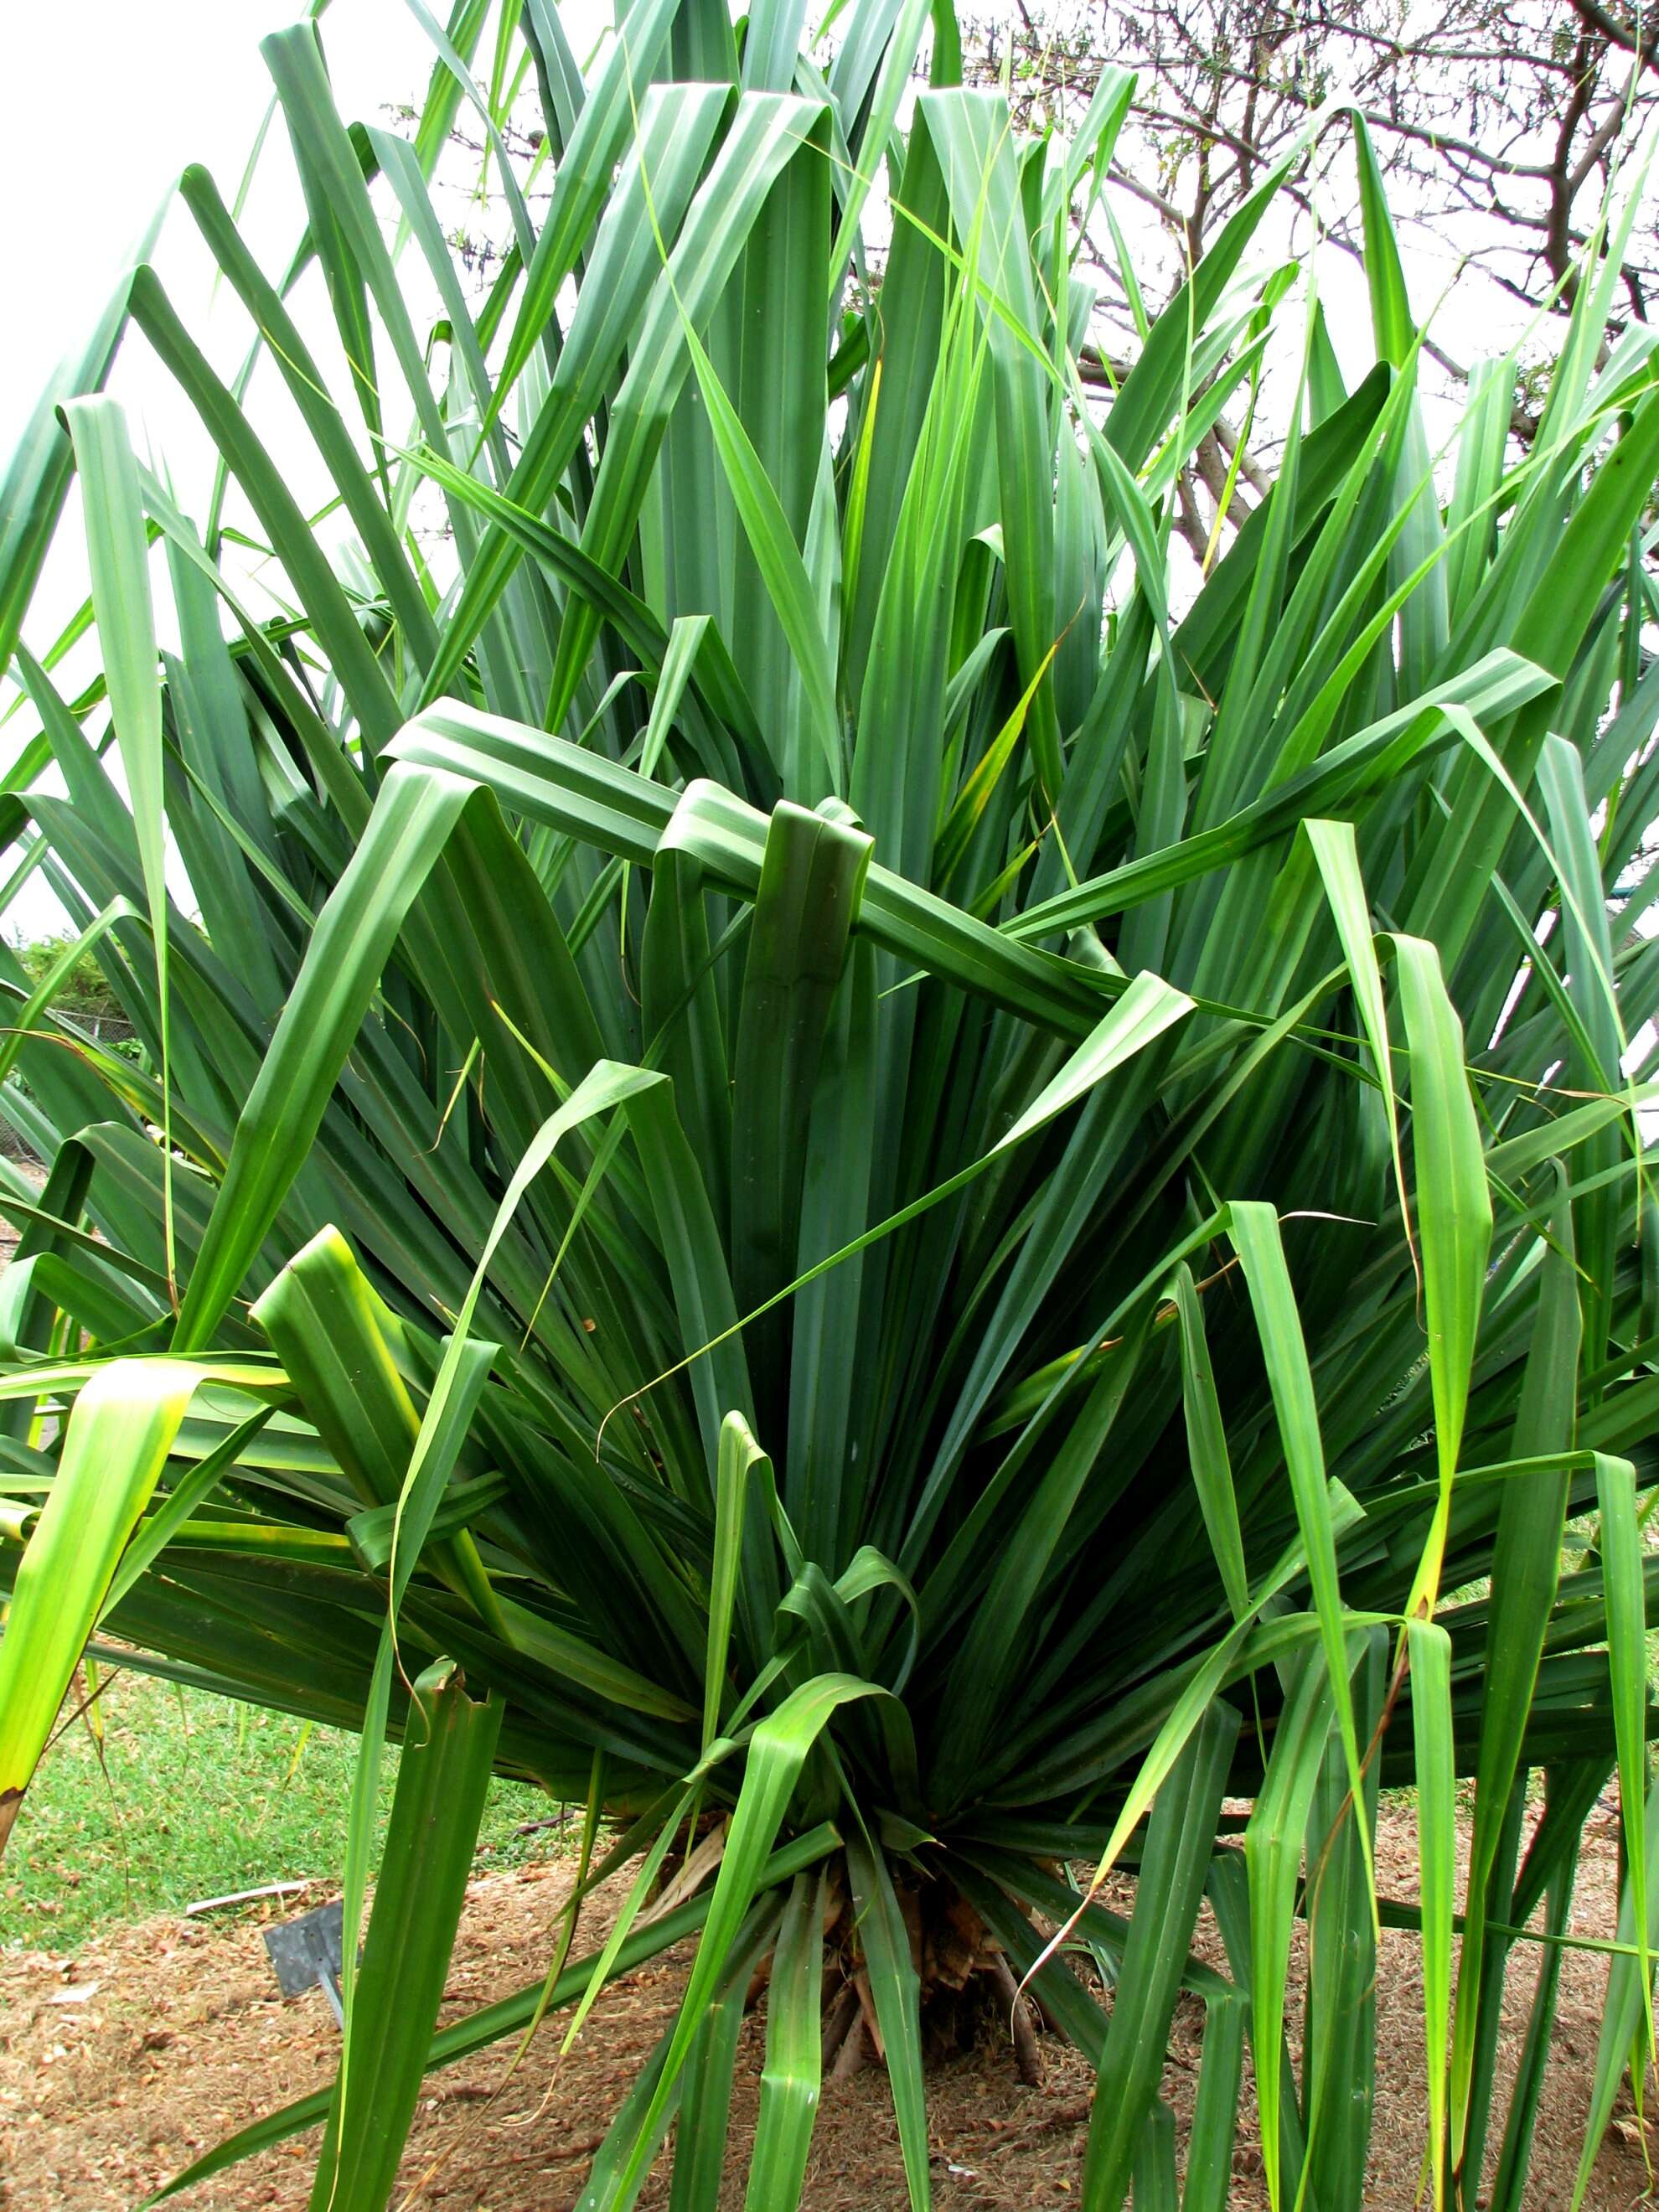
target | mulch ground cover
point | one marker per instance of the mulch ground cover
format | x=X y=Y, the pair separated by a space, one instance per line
x=121 y=2062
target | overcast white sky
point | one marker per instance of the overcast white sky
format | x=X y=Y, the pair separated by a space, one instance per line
x=93 y=140
x=158 y=83
x=154 y=85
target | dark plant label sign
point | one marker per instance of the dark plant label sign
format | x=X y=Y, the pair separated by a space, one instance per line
x=308 y=1951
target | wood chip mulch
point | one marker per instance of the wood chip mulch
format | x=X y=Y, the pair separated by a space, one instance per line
x=120 y=2063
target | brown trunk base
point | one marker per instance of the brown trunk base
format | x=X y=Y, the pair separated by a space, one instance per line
x=969 y=1995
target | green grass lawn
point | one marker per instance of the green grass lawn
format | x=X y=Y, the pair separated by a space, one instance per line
x=194 y=1795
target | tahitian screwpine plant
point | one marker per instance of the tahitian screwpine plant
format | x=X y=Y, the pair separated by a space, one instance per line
x=920 y=1217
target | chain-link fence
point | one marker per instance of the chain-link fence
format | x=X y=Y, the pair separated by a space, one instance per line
x=102 y=1029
